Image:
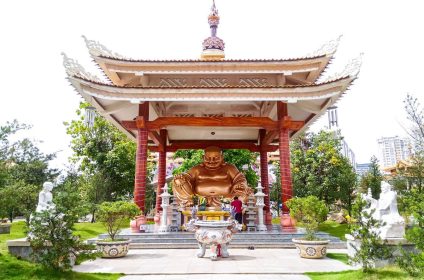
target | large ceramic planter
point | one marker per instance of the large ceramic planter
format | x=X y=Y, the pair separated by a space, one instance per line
x=315 y=249
x=113 y=249
x=5 y=228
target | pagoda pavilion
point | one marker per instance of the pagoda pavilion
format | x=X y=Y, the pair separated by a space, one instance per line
x=253 y=104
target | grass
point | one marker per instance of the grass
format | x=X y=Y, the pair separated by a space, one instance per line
x=339 y=256
x=14 y=269
x=386 y=273
x=88 y=230
x=330 y=227
x=334 y=229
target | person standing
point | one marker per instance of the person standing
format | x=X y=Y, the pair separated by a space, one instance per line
x=237 y=206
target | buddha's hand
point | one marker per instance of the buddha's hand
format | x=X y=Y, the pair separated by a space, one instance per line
x=180 y=180
x=239 y=188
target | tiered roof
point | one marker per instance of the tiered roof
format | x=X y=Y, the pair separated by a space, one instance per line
x=210 y=89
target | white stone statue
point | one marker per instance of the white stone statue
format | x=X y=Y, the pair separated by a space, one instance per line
x=45 y=198
x=386 y=211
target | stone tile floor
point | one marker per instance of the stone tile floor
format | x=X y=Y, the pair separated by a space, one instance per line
x=242 y=264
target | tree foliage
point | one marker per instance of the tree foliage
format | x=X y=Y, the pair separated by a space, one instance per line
x=23 y=169
x=114 y=215
x=51 y=238
x=309 y=212
x=415 y=115
x=319 y=168
x=106 y=152
x=372 y=179
x=372 y=247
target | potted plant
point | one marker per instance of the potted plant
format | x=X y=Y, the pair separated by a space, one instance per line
x=309 y=212
x=4 y=224
x=114 y=216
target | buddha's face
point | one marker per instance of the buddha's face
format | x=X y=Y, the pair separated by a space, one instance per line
x=213 y=160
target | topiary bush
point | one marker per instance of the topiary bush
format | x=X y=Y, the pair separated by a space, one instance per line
x=114 y=215
x=309 y=213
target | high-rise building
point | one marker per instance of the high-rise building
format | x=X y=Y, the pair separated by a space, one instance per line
x=333 y=124
x=362 y=168
x=393 y=149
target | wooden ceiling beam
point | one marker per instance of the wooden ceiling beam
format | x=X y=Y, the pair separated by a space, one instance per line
x=219 y=143
x=262 y=122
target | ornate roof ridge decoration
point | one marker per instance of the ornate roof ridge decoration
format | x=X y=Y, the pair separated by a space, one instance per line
x=102 y=83
x=218 y=61
x=74 y=69
x=328 y=48
x=97 y=49
x=213 y=42
x=351 y=69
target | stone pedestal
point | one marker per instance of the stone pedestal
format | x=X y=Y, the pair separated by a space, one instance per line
x=393 y=244
x=20 y=248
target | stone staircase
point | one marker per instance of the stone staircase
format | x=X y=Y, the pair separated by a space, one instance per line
x=273 y=238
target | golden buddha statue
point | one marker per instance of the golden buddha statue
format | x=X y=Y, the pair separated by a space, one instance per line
x=213 y=179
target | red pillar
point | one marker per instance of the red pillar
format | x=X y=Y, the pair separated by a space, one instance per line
x=286 y=180
x=141 y=157
x=264 y=179
x=141 y=169
x=161 y=172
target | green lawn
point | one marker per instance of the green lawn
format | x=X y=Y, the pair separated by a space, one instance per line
x=339 y=256
x=334 y=229
x=88 y=230
x=14 y=269
x=331 y=227
x=386 y=273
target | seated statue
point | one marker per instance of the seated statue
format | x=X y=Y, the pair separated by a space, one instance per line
x=213 y=179
x=386 y=211
x=45 y=198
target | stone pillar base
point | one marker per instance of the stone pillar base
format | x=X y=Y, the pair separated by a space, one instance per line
x=287 y=222
x=138 y=224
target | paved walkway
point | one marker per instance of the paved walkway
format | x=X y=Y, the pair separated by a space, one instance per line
x=183 y=264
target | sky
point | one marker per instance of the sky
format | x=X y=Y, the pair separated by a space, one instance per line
x=34 y=89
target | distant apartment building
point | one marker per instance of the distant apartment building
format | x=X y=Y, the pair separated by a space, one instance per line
x=362 y=168
x=393 y=149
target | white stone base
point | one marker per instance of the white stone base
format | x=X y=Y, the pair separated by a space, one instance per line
x=392 y=243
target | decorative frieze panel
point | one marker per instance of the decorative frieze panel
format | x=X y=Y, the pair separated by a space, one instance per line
x=184 y=115
x=218 y=115
x=242 y=115
x=213 y=82
x=255 y=82
x=172 y=82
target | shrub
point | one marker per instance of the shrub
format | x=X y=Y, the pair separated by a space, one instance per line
x=372 y=247
x=114 y=215
x=309 y=212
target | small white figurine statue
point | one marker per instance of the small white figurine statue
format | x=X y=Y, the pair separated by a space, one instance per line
x=45 y=198
x=386 y=211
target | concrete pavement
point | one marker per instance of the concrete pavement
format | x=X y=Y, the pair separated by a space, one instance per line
x=176 y=264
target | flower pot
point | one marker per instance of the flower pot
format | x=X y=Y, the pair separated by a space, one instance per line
x=315 y=249
x=5 y=228
x=113 y=249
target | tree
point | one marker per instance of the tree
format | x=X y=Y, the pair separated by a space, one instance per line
x=51 y=238
x=372 y=179
x=21 y=160
x=372 y=247
x=415 y=115
x=319 y=168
